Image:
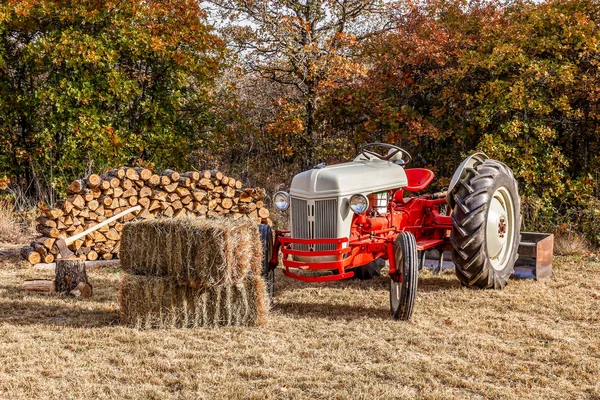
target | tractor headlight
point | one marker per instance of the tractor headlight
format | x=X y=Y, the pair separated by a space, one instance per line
x=359 y=203
x=281 y=201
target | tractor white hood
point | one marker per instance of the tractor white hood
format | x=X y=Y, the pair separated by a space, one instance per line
x=340 y=180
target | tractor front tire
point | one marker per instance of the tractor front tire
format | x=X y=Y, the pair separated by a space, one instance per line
x=486 y=225
x=403 y=286
x=268 y=273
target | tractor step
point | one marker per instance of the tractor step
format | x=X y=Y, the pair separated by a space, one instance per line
x=535 y=256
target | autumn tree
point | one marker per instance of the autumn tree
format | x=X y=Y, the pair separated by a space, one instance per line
x=103 y=83
x=517 y=80
x=304 y=45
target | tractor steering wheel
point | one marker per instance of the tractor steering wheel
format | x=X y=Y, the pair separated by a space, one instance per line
x=366 y=152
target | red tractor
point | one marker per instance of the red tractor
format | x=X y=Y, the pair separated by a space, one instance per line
x=346 y=216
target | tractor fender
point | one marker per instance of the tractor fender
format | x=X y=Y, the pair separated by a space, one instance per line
x=468 y=162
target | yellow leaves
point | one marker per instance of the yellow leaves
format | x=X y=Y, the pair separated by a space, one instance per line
x=4 y=182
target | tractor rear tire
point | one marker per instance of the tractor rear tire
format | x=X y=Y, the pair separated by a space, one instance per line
x=268 y=273
x=403 y=286
x=486 y=225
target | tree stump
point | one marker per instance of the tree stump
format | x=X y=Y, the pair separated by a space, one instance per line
x=71 y=278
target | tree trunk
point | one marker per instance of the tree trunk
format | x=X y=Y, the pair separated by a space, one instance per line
x=69 y=274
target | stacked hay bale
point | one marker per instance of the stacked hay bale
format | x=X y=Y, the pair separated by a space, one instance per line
x=168 y=194
x=192 y=272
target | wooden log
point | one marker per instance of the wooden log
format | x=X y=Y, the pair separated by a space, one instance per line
x=182 y=191
x=126 y=184
x=106 y=201
x=93 y=180
x=154 y=205
x=171 y=188
x=200 y=209
x=229 y=192
x=29 y=254
x=238 y=184
x=186 y=199
x=159 y=195
x=143 y=173
x=54 y=213
x=113 y=181
x=77 y=186
x=177 y=205
x=165 y=180
x=117 y=192
x=133 y=200
x=227 y=203
x=263 y=213
x=65 y=205
x=171 y=197
x=93 y=205
x=193 y=175
x=129 y=192
x=183 y=181
x=38 y=285
x=168 y=212
x=212 y=204
x=48 y=242
x=154 y=180
x=118 y=173
x=69 y=274
x=173 y=175
x=40 y=248
x=105 y=184
x=199 y=195
x=224 y=180
x=132 y=174
x=206 y=183
x=144 y=202
x=92 y=255
x=77 y=201
x=214 y=174
x=145 y=192
x=245 y=197
x=43 y=221
x=48 y=258
x=88 y=196
x=48 y=232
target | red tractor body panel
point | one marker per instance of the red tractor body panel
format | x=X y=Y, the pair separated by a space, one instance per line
x=372 y=236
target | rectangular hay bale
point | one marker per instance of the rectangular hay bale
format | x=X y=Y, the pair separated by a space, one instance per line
x=212 y=252
x=153 y=302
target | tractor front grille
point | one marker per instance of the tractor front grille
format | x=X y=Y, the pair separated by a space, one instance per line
x=314 y=220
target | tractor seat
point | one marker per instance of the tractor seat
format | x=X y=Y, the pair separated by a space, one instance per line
x=418 y=179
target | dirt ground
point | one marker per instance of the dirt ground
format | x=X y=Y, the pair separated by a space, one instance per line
x=334 y=340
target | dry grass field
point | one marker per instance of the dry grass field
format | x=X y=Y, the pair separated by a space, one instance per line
x=336 y=340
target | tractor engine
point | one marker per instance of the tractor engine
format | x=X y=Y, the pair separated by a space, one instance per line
x=324 y=202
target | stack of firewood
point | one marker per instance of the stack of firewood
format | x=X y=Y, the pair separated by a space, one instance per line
x=169 y=194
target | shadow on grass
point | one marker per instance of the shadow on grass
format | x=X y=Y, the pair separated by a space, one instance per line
x=44 y=309
x=330 y=311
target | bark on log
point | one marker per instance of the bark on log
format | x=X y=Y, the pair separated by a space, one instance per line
x=38 y=285
x=29 y=254
x=69 y=274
